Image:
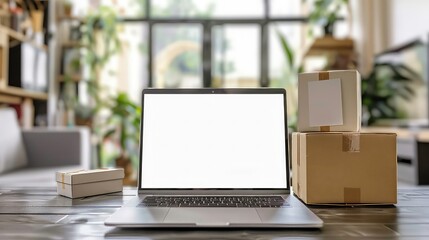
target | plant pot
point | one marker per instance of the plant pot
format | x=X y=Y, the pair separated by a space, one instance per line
x=83 y=121
x=67 y=9
x=125 y=163
x=328 y=29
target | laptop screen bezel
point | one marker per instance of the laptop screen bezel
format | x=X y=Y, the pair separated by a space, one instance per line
x=215 y=190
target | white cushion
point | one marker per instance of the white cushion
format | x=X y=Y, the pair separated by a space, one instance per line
x=12 y=150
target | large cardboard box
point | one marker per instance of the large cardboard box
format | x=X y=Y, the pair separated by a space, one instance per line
x=329 y=101
x=83 y=183
x=344 y=168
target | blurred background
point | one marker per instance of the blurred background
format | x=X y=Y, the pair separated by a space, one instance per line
x=83 y=63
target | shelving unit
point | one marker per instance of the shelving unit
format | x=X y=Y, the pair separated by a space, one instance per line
x=330 y=45
x=72 y=44
x=64 y=49
x=21 y=93
x=8 y=99
x=20 y=37
x=74 y=78
x=339 y=53
x=69 y=18
x=24 y=98
x=25 y=101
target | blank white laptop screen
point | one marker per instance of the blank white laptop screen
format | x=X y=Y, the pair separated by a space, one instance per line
x=213 y=141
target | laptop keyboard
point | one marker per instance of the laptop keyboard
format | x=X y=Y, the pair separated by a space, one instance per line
x=214 y=201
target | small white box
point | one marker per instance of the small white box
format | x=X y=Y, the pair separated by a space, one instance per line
x=329 y=101
x=84 y=183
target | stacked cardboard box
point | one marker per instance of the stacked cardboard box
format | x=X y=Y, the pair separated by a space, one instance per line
x=332 y=162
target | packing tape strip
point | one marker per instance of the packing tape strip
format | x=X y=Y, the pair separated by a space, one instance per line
x=352 y=195
x=325 y=128
x=324 y=75
x=298 y=152
x=351 y=142
x=298 y=160
x=69 y=173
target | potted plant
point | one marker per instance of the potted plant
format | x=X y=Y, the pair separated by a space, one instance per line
x=385 y=82
x=123 y=129
x=83 y=115
x=67 y=8
x=325 y=13
x=100 y=41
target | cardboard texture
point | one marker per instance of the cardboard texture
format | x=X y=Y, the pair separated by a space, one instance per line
x=82 y=183
x=344 y=168
x=350 y=95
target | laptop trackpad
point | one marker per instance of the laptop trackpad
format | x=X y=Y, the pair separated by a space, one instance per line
x=212 y=216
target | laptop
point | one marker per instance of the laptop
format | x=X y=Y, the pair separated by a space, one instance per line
x=214 y=158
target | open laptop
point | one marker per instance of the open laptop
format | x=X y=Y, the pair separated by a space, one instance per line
x=214 y=158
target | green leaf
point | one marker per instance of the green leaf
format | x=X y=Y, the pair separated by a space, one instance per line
x=287 y=50
x=109 y=133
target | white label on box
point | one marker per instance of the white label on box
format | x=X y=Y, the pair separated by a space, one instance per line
x=325 y=103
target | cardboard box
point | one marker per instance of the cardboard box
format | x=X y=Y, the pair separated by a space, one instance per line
x=344 y=168
x=83 y=183
x=329 y=101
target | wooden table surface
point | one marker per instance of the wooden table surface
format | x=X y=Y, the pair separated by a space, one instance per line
x=39 y=213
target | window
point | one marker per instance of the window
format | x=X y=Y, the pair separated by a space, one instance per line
x=206 y=9
x=202 y=43
x=236 y=55
x=197 y=43
x=176 y=55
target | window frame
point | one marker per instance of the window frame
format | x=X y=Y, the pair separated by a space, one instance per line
x=207 y=25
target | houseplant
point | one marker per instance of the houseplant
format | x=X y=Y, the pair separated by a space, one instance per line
x=325 y=13
x=67 y=8
x=386 y=81
x=101 y=42
x=123 y=126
